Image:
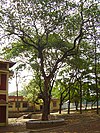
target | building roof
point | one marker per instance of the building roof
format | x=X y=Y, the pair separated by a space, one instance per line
x=7 y=61
x=15 y=97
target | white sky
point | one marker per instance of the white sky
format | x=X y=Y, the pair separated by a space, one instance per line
x=21 y=81
x=12 y=85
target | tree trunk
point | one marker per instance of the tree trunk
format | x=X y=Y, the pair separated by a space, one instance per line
x=86 y=105
x=76 y=105
x=45 y=101
x=80 y=97
x=49 y=104
x=60 y=105
x=17 y=92
x=69 y=102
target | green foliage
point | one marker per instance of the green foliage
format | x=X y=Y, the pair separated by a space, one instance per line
x=32 y=91
x=50 y=34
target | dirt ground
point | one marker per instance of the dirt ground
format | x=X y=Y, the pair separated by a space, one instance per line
x=74 y=123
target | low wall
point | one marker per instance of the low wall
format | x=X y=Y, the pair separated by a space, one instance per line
x=32 y=124
x=15 y=114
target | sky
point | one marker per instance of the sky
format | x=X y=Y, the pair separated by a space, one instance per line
x=12 y=85
x=23 y=79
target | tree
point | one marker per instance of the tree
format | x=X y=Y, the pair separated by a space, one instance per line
x=48 y=31
x=94 y=36
x=60 y=91
x=32 y=90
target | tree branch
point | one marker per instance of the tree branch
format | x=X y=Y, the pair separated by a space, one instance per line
x=41 y=62
x=76 y=44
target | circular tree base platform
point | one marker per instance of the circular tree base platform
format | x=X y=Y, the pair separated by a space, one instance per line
x=32 y=124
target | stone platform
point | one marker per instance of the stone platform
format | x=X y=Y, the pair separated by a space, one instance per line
x=35 y=124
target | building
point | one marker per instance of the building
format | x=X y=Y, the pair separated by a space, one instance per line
x=54 y=105
x=21 y=104
x=17 y=103
x=4 y=77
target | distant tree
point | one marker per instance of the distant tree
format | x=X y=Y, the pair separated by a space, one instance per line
x=60 y=91
x=32 y=90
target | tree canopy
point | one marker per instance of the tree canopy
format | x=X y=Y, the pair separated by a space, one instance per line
x=46 y=33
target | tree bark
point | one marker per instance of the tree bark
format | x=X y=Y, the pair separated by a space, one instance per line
x=76 y=104
x=60 y=105
x=49 y=104
x=45 y=101
x=69 y=102
x=80 y=96
x=86 y=105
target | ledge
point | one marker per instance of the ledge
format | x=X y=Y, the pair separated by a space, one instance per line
x=33 y=124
